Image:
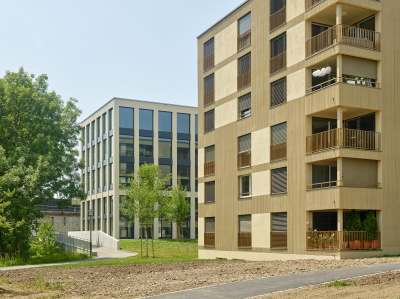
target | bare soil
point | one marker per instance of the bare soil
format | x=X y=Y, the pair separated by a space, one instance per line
x=135 y=281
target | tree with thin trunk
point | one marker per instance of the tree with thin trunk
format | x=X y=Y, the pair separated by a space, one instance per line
x=146 y=197
x=178 y=207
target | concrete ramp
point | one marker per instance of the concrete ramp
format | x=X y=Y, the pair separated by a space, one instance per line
x=99 y=239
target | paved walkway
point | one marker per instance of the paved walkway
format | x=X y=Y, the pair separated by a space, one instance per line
x=103 y=253
x=262 y=286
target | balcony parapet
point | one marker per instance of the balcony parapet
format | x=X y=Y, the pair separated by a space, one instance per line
x=343 y=183
x=343 y=240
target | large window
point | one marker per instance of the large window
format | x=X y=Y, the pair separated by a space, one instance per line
x=278 y=230
x=93 y=135
x=166 y=170
x=209 y=89
x=104 y=123
x=208 y=54
x=98 y=127
x=110 y=119
x=209 y=191
x=244 y=31
x=279 y=180
x=105 y=178
x=278 y=92
x=146 y=119
x=183 y=149
x=184 y=174
x=245 y=186
x=244 y=71
x=278 y=53
x=244 y=238
x=110 y=175
x=210 y=154
x=165 y=148
x=164 y=121
x=125 y=172
x=183 y=123
x=105 y=150
x=126 y=117
x=209 y=120
x=209 y=231
x=110 y=146
x=244 y=106
x=244 y=149
x=125 y=145
x=146 y=146
x=278 y=142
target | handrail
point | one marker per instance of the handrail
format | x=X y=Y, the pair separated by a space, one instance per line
x=244 y=40
x=208 y=62
x=277 y=19
x=358 y=82
x=343 y=240
x=277 y=63
x=244 y=159
x=341 y=183
x=209 y=168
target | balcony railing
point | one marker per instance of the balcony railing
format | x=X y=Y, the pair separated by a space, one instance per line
x=244 y=40
x=311 y=3
x=209 y=239
x=342 y=183
x=277 y=63
x=209 y=97
x=244 y=239
x=209 y=168
x=344 y=138
x=244 y=80
x=277 y=19
x=343 y=34
x=278 y=151
x=208 y=62
x=244 y=159
x=352 y=81
x=343 y=240
x=278 y=239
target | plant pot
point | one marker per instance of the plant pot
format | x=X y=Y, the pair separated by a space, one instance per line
x=345 y=244
x=357 y=244
x=366 y=244
x=315 y=245
x=374 y=244
x=319 y=246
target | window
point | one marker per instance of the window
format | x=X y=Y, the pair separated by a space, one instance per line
x=183 y=120
x=126 y=145
x=166 y=170
x=278 y=230
x=111 y=205
x=209 y=165
x=88 y=133
x=98 y=179
x=244 y=71
x=93 y=181
x=209 y=191
x=110 y=119
x=83 y=137
x=183 y=150
x=164 y=121
x=276 y=5
x=110 y=175
x=245 y=186
x=278 y=142
x=278 y=53
x=105 y=177
x=126 y=117
x=99 y=214
x=244 y=238
x=209 y=231
x=208 y=54
x=110 y=146
x=278 y=92
x=103 y=121
x=104 y=206
x=277 y=14
x=279 y=180
x=196 y=124
x=146 y=119
x=145 y=146
x=209 y=121
x=93 y=130
x=125 y=172
x=98 y=126
x=244 y=31
x=164 y=148
x=98 y=152
x=184 y=174
x=209 y=89
x=93 y=154
x=104 y=150
x=244 y=106
x=244 y=149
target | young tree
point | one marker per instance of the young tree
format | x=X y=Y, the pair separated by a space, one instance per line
x=44 y=244
x=178 y=207
x=146 y=197
x=38 y=141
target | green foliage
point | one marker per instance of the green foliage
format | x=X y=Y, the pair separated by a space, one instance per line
x=38 y=156
x=178 y=207
x=44 y=244
x=370 y=225
x=354 y=221
x=339 y=284
x=58 y=257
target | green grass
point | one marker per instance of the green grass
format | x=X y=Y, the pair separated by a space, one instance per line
x=55 y=258
x=339 y=284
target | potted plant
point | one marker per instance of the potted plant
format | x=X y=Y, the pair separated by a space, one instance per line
x=354 y=225
x=370 y=225
x=320 y=241
x=327 y=241
x=333 y=241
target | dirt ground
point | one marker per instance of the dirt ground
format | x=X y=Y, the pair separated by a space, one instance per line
x=135 y=281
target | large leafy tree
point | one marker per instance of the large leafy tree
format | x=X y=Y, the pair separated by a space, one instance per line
x=146 y=197
x=38 y=155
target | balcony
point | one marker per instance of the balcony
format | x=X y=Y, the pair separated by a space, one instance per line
x=209 y=168
x=277 y=63
x=244 y=80
x=343 y=138
x=244 y=159
x=277 y=19
x=278 y=151
x=244 y=240
x=244 y=40
x=208 y=62
x=209 y=239
x=342 y=240
x=343 y=34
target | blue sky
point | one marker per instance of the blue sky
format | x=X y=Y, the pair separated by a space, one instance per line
x=94 y=50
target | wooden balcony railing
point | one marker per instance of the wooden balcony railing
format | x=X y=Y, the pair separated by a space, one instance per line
x=244 y=159
x=209 y=168
x=342 y=183
x=345 y=138
x=209 y=239
x=278 y=151
x=244 y=40
x=277 y=63
x=343 y=240
x=209 y=97
x=244 y=239
x=343 y=34
x=208 y=62
x=244 y=80
x=311 y=3
x=277 y=19
x=278 y=239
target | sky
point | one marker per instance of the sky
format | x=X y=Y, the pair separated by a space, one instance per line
x=94 y=50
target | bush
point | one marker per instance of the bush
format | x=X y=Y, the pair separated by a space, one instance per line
x=44 y=244
x=354 y=222
x=370 y=225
